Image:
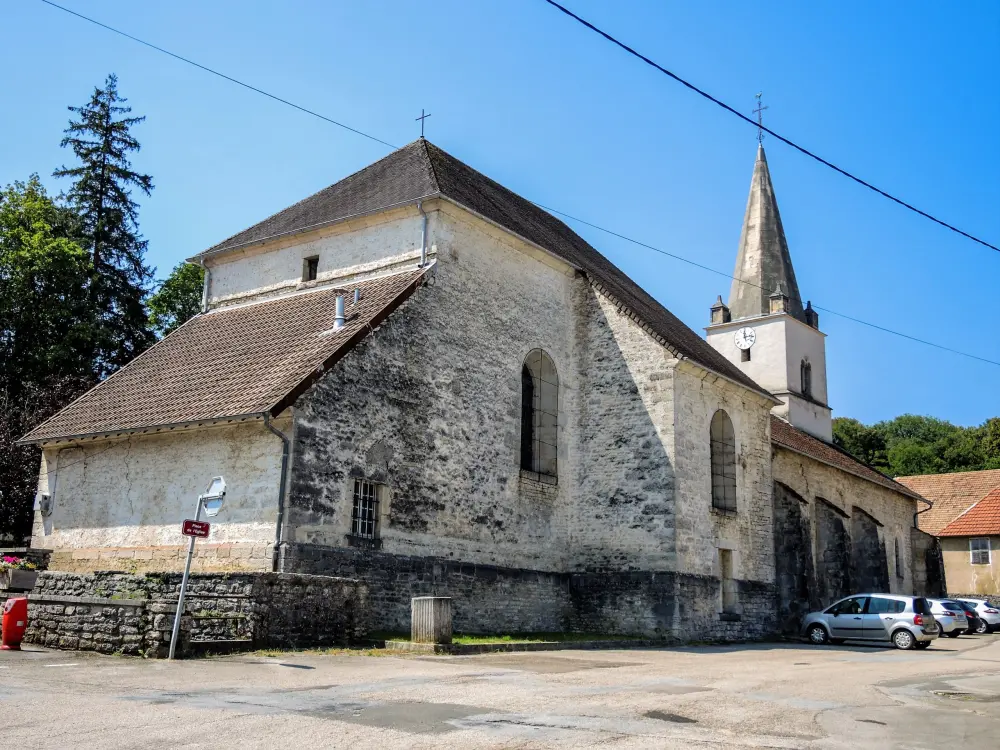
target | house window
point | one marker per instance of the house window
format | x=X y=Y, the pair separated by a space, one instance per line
x=899 y=560
x=806 y=373
x=730 y=593
x=744 y=355
x=310 y=268
x=979 y=551
x=364 y=516
x=539 y=414
x=723 y=447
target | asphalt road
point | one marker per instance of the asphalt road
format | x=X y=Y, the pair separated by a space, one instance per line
x=774 y=696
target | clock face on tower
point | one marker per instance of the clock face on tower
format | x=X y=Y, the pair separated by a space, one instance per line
x=745 y=338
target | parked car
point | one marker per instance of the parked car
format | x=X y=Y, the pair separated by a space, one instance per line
x=988 y=613
x=906 y=621
x=950 y=616
x=974 y=620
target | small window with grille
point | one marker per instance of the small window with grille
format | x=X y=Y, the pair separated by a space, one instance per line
x=365 y=513
x=979 y=551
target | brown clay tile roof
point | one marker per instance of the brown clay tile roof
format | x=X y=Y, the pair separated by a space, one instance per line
x=231 y=362
x=792 y=438
x=952 y=494
x=982 y=519
x=422 y=170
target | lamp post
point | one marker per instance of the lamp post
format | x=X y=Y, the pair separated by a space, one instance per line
x=211 y=502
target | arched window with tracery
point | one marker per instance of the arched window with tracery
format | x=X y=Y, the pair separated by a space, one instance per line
x=806 y=374
x=539 y=414
x=723 y=444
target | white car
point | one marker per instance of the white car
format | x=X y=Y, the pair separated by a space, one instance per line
x=988 y=612
x=950 y=617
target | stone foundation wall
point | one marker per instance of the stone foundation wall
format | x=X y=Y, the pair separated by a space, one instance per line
x=491 y=599
x=267 y=610
x=136 y=627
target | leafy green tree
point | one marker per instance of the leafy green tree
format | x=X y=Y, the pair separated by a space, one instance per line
x=47 y=329
x=101 y=194
x=866 y=443
x=177 y=299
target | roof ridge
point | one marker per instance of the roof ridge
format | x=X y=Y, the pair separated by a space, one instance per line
x=988 y=496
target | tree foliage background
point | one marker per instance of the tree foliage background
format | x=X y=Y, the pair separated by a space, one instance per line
x=912 y=444
x=75 y=288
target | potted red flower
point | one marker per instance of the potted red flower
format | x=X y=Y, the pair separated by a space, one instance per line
x=17 y=573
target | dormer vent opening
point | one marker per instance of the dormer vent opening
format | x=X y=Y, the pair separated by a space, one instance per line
x=338 y=312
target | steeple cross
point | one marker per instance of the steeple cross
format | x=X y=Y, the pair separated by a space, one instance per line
x=760 y=118
x=422 y=118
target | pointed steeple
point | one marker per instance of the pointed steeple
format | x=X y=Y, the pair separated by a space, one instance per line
x=763 y=262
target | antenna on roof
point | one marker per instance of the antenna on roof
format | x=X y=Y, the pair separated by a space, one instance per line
x=422 y=118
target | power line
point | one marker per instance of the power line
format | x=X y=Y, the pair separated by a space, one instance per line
x=220 y=75
x=757 y=286
x=552 y=210
x=780 y=137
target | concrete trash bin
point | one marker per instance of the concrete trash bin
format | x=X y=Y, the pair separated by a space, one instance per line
x=430 y=619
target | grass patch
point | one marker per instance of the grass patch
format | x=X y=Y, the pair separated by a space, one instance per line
x=464 y=639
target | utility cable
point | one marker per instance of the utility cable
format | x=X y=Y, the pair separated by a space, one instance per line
x=561 y=213
x=767 y=130
x=221 y=75
x=758 y=286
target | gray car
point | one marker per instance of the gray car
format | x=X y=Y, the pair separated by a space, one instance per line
x=988 y=613
x=906 y=621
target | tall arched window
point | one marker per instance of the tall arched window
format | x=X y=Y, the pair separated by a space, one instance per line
x=806 y=374
x=723 y=462
x=539 y=414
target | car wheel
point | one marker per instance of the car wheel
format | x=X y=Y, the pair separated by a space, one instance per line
x=982 y=628
x=923 y=644
x=817 y=635
x=903 y=640
x=954 y=634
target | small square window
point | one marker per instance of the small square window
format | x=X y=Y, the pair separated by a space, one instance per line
x=979 y=551
x=310 y=268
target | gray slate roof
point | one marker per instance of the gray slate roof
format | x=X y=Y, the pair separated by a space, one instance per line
x=763 y=261
x=422 y=170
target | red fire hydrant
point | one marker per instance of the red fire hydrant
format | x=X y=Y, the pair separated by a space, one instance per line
x=15 y=622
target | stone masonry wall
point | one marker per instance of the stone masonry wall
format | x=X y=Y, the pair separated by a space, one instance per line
x=267 y=610
x=490 y=599
x=119 y=504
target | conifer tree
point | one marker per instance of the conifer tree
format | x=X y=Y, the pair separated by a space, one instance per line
x=101 y=194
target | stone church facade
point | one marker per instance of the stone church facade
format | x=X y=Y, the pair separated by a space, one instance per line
x=417 y=378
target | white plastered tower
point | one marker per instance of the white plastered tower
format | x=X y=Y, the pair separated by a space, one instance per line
x=764 y=330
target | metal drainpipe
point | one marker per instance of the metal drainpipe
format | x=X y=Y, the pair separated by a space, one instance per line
x=423 y=235
x=285 y=445
x=205 y=285
x=929 y=506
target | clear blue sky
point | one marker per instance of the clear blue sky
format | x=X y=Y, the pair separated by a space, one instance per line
x=905 y=94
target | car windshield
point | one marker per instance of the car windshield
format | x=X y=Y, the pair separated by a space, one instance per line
x=921 y=606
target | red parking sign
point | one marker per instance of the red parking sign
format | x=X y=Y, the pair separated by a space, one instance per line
x=195 y=528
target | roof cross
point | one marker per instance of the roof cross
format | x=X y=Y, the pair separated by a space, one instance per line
x=422 y=118
x=760 y=118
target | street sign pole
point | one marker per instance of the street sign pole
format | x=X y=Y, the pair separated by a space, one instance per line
x=211 y=502
x=184 y=583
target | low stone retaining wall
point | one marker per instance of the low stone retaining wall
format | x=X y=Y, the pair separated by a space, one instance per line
x=466 y=649
x=137 y=627
x=259 y=610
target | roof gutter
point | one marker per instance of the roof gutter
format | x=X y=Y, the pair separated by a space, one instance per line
x=165 y=426
x=282 y=486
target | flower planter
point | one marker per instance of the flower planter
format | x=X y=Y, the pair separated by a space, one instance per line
x=18 y=580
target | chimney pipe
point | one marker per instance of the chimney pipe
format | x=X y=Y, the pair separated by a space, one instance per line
x=357 y=296
x=338 y=314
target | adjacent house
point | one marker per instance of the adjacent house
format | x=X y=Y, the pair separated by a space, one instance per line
x=965 y=516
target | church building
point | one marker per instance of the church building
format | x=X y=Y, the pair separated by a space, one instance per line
x=417 y=378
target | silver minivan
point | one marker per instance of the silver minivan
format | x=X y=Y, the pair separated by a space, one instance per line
x=906 y=621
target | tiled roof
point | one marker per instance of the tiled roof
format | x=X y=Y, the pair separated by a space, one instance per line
x=787 y=436
x=982 y=519
x=951 y=494
x=422 y=170
x=232 y=362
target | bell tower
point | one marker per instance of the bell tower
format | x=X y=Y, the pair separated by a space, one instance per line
x=764 y=329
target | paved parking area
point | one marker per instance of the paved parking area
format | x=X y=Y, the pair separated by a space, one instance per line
x=767 y=695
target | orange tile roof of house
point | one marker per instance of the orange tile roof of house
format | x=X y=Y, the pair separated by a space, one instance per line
x=952 y=494
x=982 y=519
